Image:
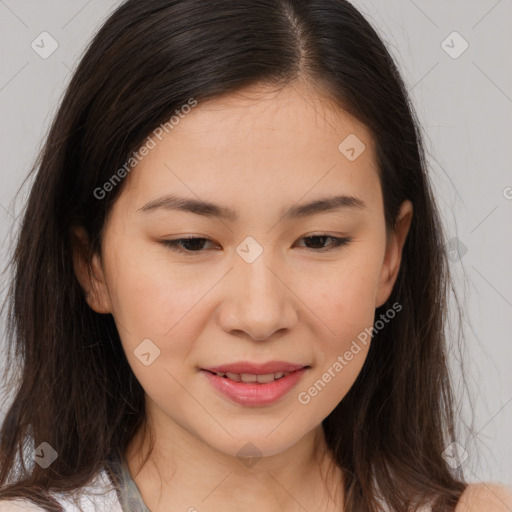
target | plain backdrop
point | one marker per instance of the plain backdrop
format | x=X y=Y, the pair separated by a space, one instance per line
x=455 y=59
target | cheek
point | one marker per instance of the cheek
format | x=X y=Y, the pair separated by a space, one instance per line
x=156 y=312
x=340 y=349
x=344 y=301
x=345 y=304
x=154 y=300
x=328 y=385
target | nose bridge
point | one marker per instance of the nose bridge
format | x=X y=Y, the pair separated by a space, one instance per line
x=261 y=302
x=258 y=280
x=259 y=287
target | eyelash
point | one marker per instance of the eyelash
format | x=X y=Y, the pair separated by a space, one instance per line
x=337 y=243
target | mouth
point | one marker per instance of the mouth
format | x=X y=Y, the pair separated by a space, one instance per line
x=250 y=368
x=257 y=387
x=252 y=378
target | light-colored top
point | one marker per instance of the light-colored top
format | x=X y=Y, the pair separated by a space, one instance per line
x=111 y=490
x=98 y=496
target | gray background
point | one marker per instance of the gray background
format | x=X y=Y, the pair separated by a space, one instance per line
x=464 y=105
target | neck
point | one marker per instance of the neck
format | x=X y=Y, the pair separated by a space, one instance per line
x=181 y=470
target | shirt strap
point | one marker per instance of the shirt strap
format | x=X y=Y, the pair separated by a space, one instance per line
x=128 y=493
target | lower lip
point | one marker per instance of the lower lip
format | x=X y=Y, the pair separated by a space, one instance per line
x=254 y=394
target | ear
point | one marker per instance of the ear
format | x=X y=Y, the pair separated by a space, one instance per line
x=393 y=256
x=89 y=273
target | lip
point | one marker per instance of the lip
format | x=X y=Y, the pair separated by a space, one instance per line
x=255 y=368
x=255 y=394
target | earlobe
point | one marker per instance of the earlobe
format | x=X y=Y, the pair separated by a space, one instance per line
x=393 y=256
x=89 y=273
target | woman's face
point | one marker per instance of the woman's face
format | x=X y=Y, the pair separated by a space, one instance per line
x=268 y=283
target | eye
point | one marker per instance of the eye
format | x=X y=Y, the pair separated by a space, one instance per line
x=186 y=245
x=319 y=239
x=193 y=244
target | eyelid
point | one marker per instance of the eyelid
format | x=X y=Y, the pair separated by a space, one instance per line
x=338 y=242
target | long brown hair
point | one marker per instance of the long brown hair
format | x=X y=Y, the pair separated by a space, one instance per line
x=73 y=386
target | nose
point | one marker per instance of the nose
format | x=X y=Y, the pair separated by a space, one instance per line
x=258 y=301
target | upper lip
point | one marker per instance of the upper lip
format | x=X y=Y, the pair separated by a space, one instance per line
x=255 y=368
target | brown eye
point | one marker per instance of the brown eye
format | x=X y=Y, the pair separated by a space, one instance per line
x=319 y=240
x=193 y=244
x=186 y=245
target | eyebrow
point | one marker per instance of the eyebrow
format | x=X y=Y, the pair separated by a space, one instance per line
x=208 y=209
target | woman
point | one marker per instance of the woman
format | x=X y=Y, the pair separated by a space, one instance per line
x=229 y=283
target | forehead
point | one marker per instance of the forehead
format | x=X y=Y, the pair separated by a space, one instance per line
x=282 y=143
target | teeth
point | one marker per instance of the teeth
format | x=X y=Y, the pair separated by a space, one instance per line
x=251 y=377
x=263 y=379
x=248 y=377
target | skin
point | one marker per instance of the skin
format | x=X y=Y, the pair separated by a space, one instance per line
x=256 y=152
x=488 y=497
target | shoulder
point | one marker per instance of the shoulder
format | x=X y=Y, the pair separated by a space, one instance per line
x=490 y=497
x=19 y=505
x=98 y=495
